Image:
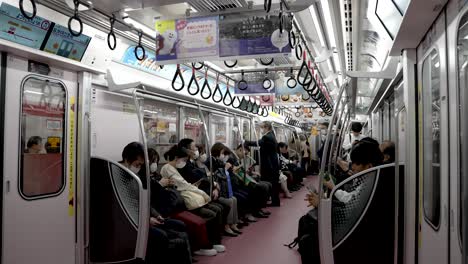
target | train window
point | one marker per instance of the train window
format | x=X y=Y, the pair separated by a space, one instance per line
x=218 y=126
x=161 y=126
x=431 y=138
x=43 y=108
x=193 y=125
x=246 y=129
x=463 y=114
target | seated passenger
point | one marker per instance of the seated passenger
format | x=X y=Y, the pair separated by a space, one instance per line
x=364 y=155
x=220 y=155
x=196 y=200
x=168 y=240
x=191 y=170
x=259 y=190
x=291 y=165
x=388 y=151
x=34 y=145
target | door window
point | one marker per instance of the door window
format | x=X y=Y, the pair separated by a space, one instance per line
x=431 y=138
x=462 y=110
x=43 y=126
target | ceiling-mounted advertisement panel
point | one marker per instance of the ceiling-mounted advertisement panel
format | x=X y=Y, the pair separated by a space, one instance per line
x=183 y=39
x=62 y=43
x=287 y=96
x=221 y=37
x=16 y=28
x=259 y=35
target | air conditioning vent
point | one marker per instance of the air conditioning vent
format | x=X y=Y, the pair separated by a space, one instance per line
x=348 y=29
x=216 y=6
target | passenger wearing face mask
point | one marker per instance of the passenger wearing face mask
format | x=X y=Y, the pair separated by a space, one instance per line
x=221 y=169
x=270 y=167
x=196 y=200
x=226 y=191
x=323 y=138
x=190 y=171
x=167 y=235
x=199 y=177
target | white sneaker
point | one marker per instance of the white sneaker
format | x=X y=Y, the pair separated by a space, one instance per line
x=206 y=252
x=219 y=248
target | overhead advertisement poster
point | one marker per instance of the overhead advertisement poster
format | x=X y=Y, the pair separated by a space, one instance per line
x=62 y=43
x=187 y=38
x=290 y=96
x=249 y=36
x=16 y=28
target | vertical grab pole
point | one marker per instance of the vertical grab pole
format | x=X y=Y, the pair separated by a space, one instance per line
x=342 y=135
x=256 y=140
x=334 y=138
x=142 y=241
x=321 y=211
x=208 y=144
x=241 y=137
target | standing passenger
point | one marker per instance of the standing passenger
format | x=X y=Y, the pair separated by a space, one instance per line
x=269 y=163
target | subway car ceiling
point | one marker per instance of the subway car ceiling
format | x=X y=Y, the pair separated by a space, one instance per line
x=333 y=44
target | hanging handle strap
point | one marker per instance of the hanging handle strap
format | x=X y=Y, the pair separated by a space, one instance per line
x=178 y=74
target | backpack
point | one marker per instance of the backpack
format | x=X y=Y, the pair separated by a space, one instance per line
x=307 y=238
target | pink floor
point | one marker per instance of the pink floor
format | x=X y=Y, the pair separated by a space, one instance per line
x=263 y=242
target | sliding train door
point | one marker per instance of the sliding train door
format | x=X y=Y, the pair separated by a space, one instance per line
x=39 y=172
x=433 y=146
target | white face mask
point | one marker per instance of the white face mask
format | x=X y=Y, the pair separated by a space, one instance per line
x=225 y=158
x=153 y=167
x=134 y=169
x=180 y=164
x=196 y=154
x=203 y=158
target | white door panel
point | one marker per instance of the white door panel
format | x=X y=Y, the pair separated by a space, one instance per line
x=433 y=146
x=38 y=229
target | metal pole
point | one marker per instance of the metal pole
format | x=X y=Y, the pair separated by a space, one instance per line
x=339 y=121
x=207 y=145
x=341 y=139
x=144 y=222
x=327 y=141
x=256 y=140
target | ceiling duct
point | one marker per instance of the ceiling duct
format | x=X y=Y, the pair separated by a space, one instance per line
x=347 y=15
x=216 y=5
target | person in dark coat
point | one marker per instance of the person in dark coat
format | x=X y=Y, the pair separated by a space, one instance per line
x=269 y=163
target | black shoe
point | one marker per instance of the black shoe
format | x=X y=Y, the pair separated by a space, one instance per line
x=265 y=212
x=229 y=234
x=237 y=232
x=260 y=215
x=274 y=205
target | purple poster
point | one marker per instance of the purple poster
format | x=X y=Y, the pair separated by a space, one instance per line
x=246 y=35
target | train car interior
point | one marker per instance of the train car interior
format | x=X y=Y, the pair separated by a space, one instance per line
x=234 y=131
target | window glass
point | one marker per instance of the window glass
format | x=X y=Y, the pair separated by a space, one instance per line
x=392 y=120
x=236 y=131
x=161 y=126
x=462 y=108
x=431 y=138
x=193 y=126
x=42 y=138
x=402 y=5
x=402 y=136
x=389 y=15
x=246 y=129
x=218 y=127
